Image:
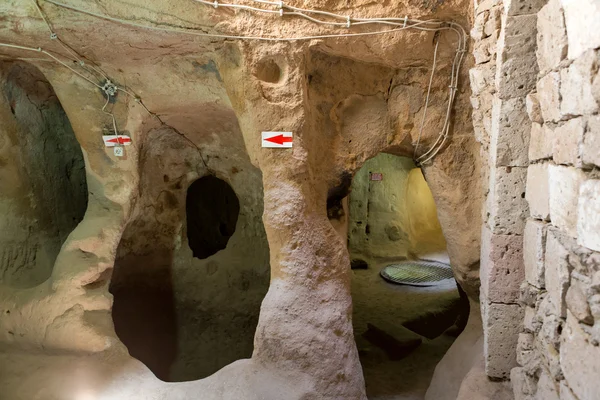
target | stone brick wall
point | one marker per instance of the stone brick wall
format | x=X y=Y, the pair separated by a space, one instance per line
x=535 y=96
x=539 y=124
x=557 y=350
x=501 y=105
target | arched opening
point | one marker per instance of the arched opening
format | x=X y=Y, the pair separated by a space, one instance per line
x=407 y=309
x=212 y=210
x=192 y=266
x=43 y=189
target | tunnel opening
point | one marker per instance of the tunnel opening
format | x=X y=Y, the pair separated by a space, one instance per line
x=393 y=232
x=212 y=210
x=43 y=188
x=192 y=266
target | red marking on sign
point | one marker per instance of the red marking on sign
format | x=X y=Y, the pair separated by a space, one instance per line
x=279 y=139
x=119 y=140
x=376 y=176
x=116 y=140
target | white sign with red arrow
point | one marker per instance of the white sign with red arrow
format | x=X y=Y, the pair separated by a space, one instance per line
x=116 y=140
x=277 y=139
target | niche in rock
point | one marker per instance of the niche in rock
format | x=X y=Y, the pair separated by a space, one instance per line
x=192 y=267
x=212 y=210
x=43 y=189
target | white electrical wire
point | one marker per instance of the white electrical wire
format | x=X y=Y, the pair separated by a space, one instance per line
x=405 y=23
x=263 y=38
x=47 y=53
x=284 y=9
x=427 y=97
x=108 y=94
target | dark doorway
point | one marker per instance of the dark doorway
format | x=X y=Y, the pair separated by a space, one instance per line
x=212 y=210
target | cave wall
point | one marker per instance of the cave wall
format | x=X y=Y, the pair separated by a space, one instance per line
x=345 y=101
x=196 y=315
x=43 y=186
x=395 y=217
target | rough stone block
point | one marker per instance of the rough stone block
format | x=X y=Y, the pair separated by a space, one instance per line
x=596 y=88
x=531 y=323
x=538 y=191
x=516 y=66
x=540 y=142
x=580 y=361
x=485 y=5
x=507 y=206
x=493 y=23
x=548 y=89
x=582 y=20
x=557 y=271
x=532 y=104
x=565 y=392
x=551 y=36
x=527 y=355
x=591 y=142
x=524 y=386
x=528 y=294
x=576 y=85
x=548 y=342
x=522 y=7
x=480 y=78
x=509 y=141
x=501 y=327
x=588 y=218
x=547 y=388
x=577 y=301
x=485 y=50
x=564 y=193
x=568 y=142
x=478 y=24
x=501 y=266
x=534 y=246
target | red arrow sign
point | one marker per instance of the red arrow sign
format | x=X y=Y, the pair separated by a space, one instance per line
x=120 y=140
x=113 y=140
x=279 y=139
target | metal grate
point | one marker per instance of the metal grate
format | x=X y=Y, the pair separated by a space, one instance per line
x=417 y=273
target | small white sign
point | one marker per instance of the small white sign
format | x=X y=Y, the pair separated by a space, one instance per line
x=114 y=140
x=376 y=176
x=277 y=139
x=119 y=151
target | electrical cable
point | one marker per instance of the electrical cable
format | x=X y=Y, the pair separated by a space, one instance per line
x=427 y=98
x=399 y=24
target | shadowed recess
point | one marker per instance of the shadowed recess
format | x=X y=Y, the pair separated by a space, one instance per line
x=212 y=210
x=43 y=189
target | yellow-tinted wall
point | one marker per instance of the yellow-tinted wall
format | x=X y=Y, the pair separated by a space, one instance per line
x=395 y=217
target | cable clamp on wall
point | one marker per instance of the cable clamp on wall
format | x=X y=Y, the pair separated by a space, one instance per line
x=281 y=12
x=280 y=5
x=53 y=36
x=216 y=4
x=405 y=21
x=110 y=89
x=348 y=22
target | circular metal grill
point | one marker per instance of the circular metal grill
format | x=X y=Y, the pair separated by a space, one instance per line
x=417 y=273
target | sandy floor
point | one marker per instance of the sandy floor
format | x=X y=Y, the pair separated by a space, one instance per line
x=376 y=300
